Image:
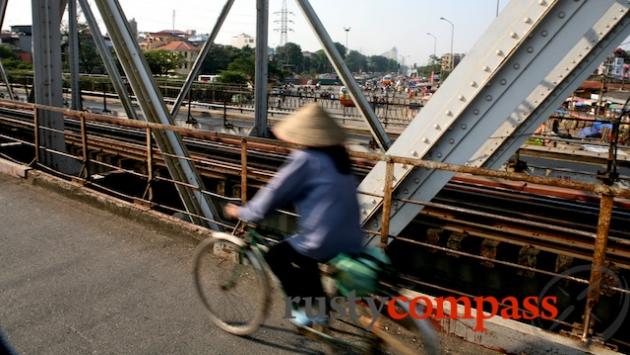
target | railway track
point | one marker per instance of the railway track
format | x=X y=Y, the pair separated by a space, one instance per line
x=563 y=224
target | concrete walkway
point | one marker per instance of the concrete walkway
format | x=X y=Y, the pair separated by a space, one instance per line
x=75 y=280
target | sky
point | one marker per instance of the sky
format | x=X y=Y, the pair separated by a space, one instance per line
x=376 y=25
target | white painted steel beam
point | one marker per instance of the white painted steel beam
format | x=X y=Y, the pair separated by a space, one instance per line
x=152 y=104
x=108 y=60
x=506 y=80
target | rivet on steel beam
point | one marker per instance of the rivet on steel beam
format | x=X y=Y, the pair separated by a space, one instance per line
x=513 y=35
x=530 y=49
x=373 y=201
x=464 y=126
x=416 y=181
x=406 y=191
x=544 y=33
x=527 y=20
x=426 y=140
x=486 y=68
x=503 y=81
x=542 y=2
x=449 y=113
x=476 y=111
x=516 y=66
x=439 y=155
x=473 y=84
x=500 y=53
x=451 y=141
x=437 y=126
x=414 y=153
x=562 y=14
x=461 y=98
x=488 y=97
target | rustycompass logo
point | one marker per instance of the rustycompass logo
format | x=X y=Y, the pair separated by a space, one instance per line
x=572 y=297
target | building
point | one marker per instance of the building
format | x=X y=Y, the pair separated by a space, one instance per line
x=391 y=54
x=243 y=40
x=154 y=40
x=445 y=61
x=186 y=50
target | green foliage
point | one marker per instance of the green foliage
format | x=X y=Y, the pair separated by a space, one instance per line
x=356 y=61
x=6 y=52
x=161 y=62
x=232 y=77
x=291 y=57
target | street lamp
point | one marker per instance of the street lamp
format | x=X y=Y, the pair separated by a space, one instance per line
x=452 y=37
x=347 y=29
x=434 y=43
x=498 y=1
x=433 y=60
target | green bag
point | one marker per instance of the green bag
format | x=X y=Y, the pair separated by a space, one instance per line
x=360 y=273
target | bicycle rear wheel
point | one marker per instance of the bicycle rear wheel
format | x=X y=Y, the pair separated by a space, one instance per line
x=232 y=284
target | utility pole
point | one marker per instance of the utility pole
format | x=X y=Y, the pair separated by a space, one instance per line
x=284 y=22
x=347 y=29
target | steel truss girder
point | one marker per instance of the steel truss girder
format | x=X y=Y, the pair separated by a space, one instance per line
x=48 y=75
x=608 y=32
x=108 y=60
x=150 y=100
x=200 y=58
x=73 y=55
x=378 y=132
x=262 y=68
x=3 y=73
x=495 y=80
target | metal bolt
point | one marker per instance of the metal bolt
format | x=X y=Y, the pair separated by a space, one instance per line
x=473 y=84
x=476 y=111
x=500 y=53
x=461 y=98
x=503 y=81
x=451 y=141
x=426 y=140
x=439 y=155
x=437 y=126
x=489 y=98
x=542 y=3
x=561 y=14
x=530 y=49
x=448 y=113
x=513 y=35
x=486 y=68
x=516 y=66
x=464 y=126
x=543 y=33
x=414 y=153
x=527 y=20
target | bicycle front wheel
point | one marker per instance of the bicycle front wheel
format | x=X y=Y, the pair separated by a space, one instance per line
x=232 y=284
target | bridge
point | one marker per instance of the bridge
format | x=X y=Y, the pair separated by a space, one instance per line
x=442 y=186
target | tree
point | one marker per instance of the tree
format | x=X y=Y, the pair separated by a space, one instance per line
x=243 y=65
x=232 y=77
x=378 y=63
x=291 y=56
x=218 y=58
x=342 y=49
x=89 y=60
x=356 y=61
x=161 y=62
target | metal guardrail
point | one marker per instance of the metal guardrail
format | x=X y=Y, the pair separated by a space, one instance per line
x=600 y=239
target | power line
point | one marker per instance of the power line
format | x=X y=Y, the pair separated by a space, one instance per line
x=284 y=22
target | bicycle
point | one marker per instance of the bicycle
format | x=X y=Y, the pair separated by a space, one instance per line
x=237 y=262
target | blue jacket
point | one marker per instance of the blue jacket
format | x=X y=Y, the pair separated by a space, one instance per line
x=326 y=201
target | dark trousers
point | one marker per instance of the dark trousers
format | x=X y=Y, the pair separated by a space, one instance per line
x=298 y=274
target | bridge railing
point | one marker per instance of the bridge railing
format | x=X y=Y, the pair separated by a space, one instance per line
x=598 y=248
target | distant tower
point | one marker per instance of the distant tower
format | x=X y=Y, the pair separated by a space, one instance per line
x=284 y=23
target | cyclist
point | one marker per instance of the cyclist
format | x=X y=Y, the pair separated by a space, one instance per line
x=317 y=179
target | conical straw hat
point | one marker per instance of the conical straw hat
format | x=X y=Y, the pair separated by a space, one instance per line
x=310 y=126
